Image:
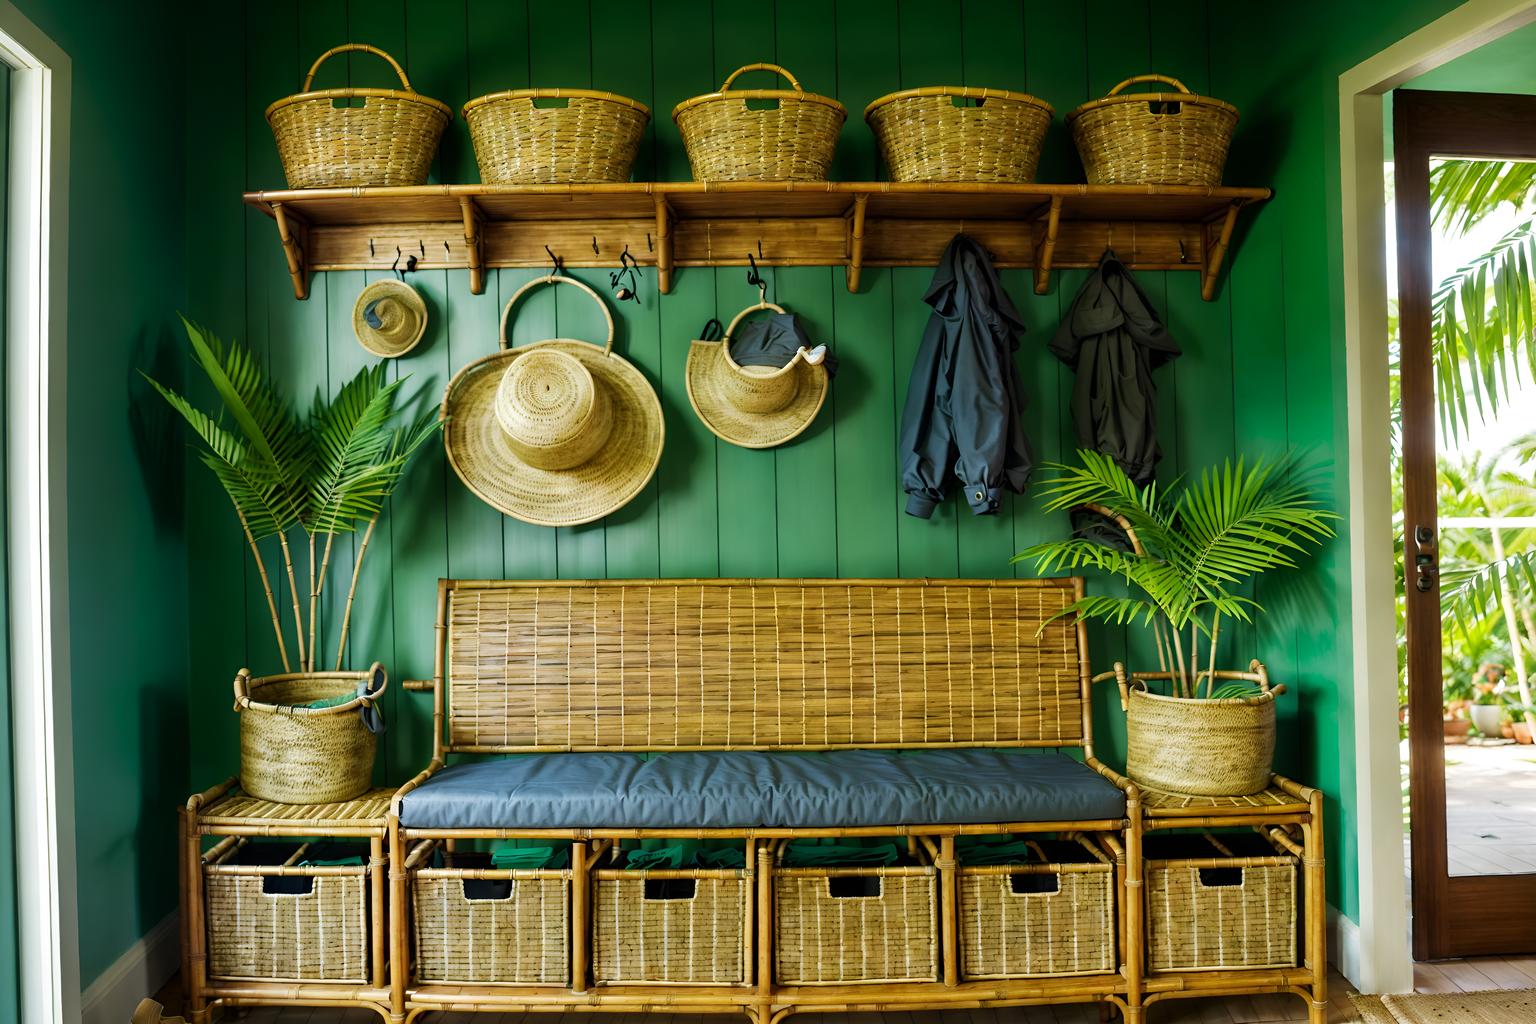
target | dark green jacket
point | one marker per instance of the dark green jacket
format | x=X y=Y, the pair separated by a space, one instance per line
x=1114 y=339
x=961 y=419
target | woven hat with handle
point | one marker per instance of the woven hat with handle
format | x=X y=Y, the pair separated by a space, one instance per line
x=754 y=406
x=557 y=433
x=729 y=141
x=389 y=140
x=1155 y=138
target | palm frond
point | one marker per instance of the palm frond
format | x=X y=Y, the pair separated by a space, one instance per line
x=350 y=436
x=1464 y=192
x=1470 y=593
x=1242 y=520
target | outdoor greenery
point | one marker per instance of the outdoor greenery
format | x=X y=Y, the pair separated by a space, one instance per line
x=1484 y=349
x=318 y=477
x=1197 y=543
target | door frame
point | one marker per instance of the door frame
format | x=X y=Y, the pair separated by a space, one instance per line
x=1427 y=125
x=36 y=282
x=1376 y=956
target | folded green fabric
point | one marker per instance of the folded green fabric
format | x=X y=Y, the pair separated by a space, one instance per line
x=508 y=855
x=1000 y=849
x=725 y=858
x=811 y=854
x=331 y=702
x=335 y=862
x=658 y=858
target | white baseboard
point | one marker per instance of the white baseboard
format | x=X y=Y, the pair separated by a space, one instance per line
x=143 y=968
x=1344 y=951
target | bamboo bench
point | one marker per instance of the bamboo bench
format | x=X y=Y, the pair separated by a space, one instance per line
x=762 y=711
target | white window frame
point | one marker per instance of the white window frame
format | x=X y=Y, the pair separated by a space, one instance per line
x=36 y=280
x=1380 y=961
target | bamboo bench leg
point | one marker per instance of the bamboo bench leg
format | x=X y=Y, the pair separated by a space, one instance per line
x=1135 y=909
x=399 y=956
x=1316 y=914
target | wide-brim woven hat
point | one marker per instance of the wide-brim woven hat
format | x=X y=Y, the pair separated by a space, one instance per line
x=557 y=433
x=753 y=406
x=389 y=318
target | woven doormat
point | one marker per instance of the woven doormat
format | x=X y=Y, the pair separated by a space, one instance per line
x=1516 y=1006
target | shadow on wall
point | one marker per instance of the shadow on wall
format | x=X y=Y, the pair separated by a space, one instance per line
x=155 y=430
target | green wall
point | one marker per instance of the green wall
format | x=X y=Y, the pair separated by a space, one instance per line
x=127 y=558
x=1262 y=371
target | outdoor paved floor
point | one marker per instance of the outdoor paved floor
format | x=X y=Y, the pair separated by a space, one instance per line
x=1490 y=809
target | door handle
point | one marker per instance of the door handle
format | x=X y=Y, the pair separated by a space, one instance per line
x=1425 y=558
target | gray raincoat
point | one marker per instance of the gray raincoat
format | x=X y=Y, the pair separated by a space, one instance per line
x=961 y=419
x=1114 y=339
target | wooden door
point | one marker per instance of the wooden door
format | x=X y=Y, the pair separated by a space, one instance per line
x=1454 y=914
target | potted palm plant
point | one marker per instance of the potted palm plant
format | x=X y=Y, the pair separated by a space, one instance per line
x=306 y=735
x=1191 y=547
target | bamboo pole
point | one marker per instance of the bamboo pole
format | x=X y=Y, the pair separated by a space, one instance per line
x=376 y=906
x=399 y=933
x=1181 y=680
x=764 y=931
x=1135 y=909
x=1210 y=681
x=749 y=915
x=266 y=585
x=1316 y=911
x=293 y=589
x=949 y=923
x=1517 y=646
x=314 y=602
x=357 y=566
x=581 y=889
x=317 y=588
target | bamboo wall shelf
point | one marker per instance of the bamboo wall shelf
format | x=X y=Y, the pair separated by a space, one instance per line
x=709 y=224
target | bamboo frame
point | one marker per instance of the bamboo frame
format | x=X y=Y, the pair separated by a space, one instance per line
x=706 y=224
x=1292 y=817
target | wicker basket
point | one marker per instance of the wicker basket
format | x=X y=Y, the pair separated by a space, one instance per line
x=1217 y=902
x=727 y=140
x=1056 y=917
x=1201 y=747
x=555 y=136
x=1153 y=138
x=840 y=925
x=291 y=754
x=935 y=134
x=476 y=924
x=271 y=918
x=678 y=927
x=389 y=140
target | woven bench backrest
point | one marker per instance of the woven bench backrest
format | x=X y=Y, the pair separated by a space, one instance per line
x=759 y=664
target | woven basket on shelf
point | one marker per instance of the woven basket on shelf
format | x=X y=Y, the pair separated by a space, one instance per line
x=727 y=140
x=926 y=135
x=389 y=140
x=1046 y=918
x=481 y=925
x=838 y=925
x=292 y=754
x=682 y=927
x=1153 y=138
x=274 y=919
x=555 y=136
x=1218 y=902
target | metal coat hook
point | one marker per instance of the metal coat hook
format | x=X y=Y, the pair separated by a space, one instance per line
x=557 y=263
x=1183 y=253
x=753 y=277
x=595 y=251
x=625 y=281
x=648 y=246
x=371 y=253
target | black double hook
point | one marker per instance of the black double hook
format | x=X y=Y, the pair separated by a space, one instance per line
x=625 y=281
x=557 y=263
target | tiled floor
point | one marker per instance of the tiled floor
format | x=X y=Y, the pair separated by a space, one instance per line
x=1450 y=976
x=1490 y=809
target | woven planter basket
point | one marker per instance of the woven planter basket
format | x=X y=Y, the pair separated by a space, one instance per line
x=1219 y=902
x=670 y=927
x=272 y=919
x=389 y=140
x=555 y=136
x=729 y=141
x=925 y=135
x=1153 y=138
x=291 y=754
x=1202 y=747
x=489 y=926
x=839 y=925
x=1051 y=918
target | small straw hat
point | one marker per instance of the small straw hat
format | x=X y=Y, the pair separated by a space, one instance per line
x=754 y=406
x=557 y=433
x=389 y=318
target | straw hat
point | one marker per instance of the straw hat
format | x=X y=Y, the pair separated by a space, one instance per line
x=754 y=406
x=389 y=318
x=557 y=433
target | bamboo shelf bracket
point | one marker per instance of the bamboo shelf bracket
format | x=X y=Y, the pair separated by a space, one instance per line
x=672 y=225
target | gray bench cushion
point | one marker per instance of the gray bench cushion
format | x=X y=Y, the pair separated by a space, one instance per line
x=751 y=789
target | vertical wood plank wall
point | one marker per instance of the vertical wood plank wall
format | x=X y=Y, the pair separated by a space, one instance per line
x=1257 y=375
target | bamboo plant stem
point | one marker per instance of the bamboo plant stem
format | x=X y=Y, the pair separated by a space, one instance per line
x=1516 y=644
x=314 y=603
x=1162 y=644
x=316 y=590
x=1194 y=658
x=1210 y=675
x=357 y=565
x=293 y=589
x=266 y=585
x=1180 y=681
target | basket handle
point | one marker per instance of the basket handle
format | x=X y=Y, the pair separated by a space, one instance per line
x=761 y=304
x=506 y=313
x=242 y=689
x=356 y=48
x=776 y=69
x=1165 y=79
